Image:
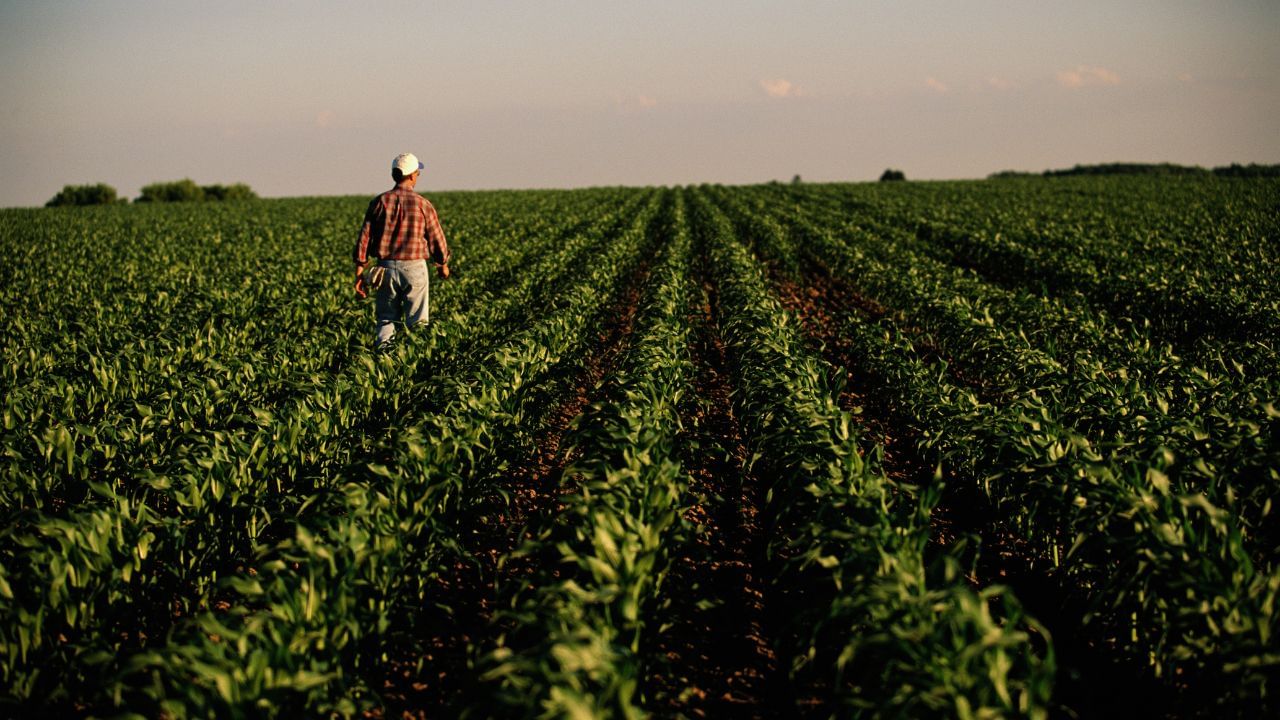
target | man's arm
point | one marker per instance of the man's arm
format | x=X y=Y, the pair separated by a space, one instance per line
x=372 y=220
x=437 y=247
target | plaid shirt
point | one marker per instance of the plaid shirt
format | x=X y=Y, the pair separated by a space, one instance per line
x=401 y=225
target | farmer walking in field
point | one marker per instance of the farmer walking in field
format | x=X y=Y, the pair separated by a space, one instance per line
x=401 y=229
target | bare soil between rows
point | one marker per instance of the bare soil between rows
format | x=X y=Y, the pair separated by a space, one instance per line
x=1090 y=682
x=428 y=676
x=714 y=651
x=718 y=661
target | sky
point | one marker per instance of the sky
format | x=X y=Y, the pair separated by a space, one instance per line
x=316 y=98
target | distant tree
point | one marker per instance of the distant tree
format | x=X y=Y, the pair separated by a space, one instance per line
x=892 y=175
x=796 y=180
x=185 y=190
x=99 y=194
x=1005 y=174
x=1129 y=169
x=1250 y=170
x=1232 y=170
x=237 y=191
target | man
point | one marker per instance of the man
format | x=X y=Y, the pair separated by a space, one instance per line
x=402 y=230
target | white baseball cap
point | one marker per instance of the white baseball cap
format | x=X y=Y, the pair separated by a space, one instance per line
x=406 y=163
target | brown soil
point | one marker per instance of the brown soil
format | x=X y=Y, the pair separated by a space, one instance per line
x=428 y=674
x=822 y=303
x=1090 y=682
x=718 y=661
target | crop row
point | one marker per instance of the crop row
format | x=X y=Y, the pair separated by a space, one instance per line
x=118 y=412
x=218 y=501
x=578 y=626
x=1137 y=499
x=1185 y=266
x=1112 y=386
x=84 y=581
x=314 y=610
x=870 y=618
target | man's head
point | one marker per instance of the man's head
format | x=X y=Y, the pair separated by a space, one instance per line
x=405 y=166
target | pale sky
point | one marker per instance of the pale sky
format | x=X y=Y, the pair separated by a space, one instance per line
x=312 y=98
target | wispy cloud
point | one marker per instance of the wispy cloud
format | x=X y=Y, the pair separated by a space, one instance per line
x=936 y=85
x=1186 y=77
x=324 y=119
x=780 y=88
x=633 y=103
x=1083 y=75
x=998 y=83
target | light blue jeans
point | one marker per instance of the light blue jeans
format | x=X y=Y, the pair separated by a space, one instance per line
x=404 y=295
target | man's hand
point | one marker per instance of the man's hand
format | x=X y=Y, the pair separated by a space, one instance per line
x=361 y=291
x=444 y=270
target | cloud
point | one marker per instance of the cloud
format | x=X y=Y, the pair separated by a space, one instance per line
x=1186 y=77
x=1083 y=75
x=780 y=88
x=633 y=103
x=936 y=85
x=324 y=119
x=999 y=83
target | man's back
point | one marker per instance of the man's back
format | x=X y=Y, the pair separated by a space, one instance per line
x=400 y=224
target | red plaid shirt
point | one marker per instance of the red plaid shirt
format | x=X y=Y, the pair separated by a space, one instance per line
x=401 y=225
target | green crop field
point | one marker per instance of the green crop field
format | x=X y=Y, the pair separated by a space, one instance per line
x=958 y=449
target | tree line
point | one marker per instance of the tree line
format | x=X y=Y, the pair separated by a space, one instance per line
x=1232 y=170
x=185 y=190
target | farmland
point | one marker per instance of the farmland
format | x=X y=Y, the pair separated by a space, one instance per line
x=1000 y=448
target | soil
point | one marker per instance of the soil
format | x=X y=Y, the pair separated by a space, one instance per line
x=715 y=649
x=427 y=675
x=1090 y=681
x=822 y=303
x=718 y=660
